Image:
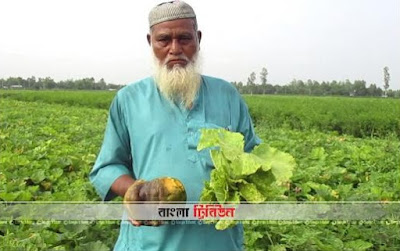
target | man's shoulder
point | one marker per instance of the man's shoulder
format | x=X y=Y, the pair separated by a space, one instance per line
x=139 y=87
x=218 y=84
x=142 y=84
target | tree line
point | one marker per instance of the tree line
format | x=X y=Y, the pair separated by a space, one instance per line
x=315 y=88
x=295 y=87
x=49 y=83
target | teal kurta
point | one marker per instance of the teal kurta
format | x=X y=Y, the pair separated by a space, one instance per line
x=149 y=137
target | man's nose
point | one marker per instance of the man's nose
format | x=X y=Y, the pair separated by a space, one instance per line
x=176 y=47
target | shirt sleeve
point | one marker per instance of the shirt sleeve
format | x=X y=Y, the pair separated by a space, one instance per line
x=114 y=158
x=246 y=128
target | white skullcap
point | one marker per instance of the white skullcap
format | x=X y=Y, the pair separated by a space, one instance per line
x=171 y=11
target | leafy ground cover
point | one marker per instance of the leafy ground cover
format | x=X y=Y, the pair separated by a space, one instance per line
x=91 y=99
x=47 y=150
x=334 y=168
x=360 y=117
x=46 y=154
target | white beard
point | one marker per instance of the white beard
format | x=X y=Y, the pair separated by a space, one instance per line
x=179 y=84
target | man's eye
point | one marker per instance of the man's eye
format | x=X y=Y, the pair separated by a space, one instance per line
x=185 y=40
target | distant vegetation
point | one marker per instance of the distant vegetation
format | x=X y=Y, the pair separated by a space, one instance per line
x=34 y=83
x=310 y=87
x=360 y=117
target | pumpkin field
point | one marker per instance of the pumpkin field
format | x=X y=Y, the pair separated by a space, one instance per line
x=345 y=148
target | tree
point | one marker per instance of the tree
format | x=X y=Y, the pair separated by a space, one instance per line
x=48 y=83
x=348 y=88
x=373 y=90
x=251 y=79
x=263 y=76
x=386 y=79
x=31 y=82
x=297 y=87
x=101 y=85
x=239 y=86
x=269 y=89
x=359 y=88
x=251 y=82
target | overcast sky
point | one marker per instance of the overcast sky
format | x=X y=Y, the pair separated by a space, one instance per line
x=322 y=40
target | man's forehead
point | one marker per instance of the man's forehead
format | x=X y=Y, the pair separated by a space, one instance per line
x=174 y=26
x=170 y=11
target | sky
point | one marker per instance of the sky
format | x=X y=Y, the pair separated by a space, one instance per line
x=322 y=40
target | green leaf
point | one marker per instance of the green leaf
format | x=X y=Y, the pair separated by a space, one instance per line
x=251 y=237
x=318 y=153
x=263 y=181
x=357 y=245
x=218 y=183
x=325 y=192
x=263 y=152
x=232 y=145
x=277 y=248
x=220 y=138
x=207 y=194
x=232 y=139
x=208 y=138
x=282 y=164
x=244 y=164
x=224 y=224
x=234 y=197
x=50 y=237
x=218 y=159
x=57 y=173
x=38 y=176
x=25 y=196
x=9 y=196
x=94 y=245
x=250 y=193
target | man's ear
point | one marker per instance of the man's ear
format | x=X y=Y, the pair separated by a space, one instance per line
x=149 y=39
x=199 y=36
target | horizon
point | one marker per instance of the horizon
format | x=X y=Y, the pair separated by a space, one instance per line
x=232 y=82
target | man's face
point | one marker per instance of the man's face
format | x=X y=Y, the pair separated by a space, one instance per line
x=175 y=42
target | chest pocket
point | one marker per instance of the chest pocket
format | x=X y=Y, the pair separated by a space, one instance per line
x=194 y=129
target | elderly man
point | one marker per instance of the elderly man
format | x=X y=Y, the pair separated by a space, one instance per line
x=153 y=130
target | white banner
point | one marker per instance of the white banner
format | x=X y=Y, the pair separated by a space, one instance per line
x=272 y=211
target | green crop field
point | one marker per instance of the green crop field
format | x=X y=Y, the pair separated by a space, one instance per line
x=346 y=149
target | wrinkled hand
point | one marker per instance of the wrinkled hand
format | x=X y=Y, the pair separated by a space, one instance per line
x=160 y=189
x=143 y=191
